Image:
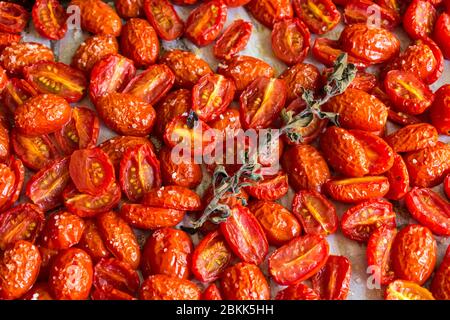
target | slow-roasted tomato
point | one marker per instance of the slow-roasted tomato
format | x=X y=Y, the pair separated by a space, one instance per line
x=7 y=180
x=186 y=174
x=419 y=19
x=119 y=238
x=211 y=293
x=244 y=281
x=413 y=137
x=379 y=253
x=401 y=118
x=15 y=57
x=163 y=287
x=414 y=254
x=236 y=3
x=173 y=197
x=48 y=257
x=360 y=221
x=299 y=259
x=327 y=51
x=23 y=222
x=11 y=192
x=270 y=187
x=150 y=218
x=211 y=257
x=234 y=39
x=16 y=92
x=354 y=190
x=270 y=11
x=7 y=38
x=360 y=11
x=13 y=17
x=39 y=291
x=164 y=19
x=320 y=16
x=92 y=243
x=398 y=179
x=45 y=188
x=290 y=41
x=227 y=120
x=19 y=269
x=174 y=104
x=332 y=282
x=62 y=230
x=447 y=186
x=92 y=50
x=187 y=67
x=406 y=290
x=440 y=110
x=49 y=18
x=397 y=6
x=129 y=8
x=299 y=77
x=97 y=168
x=98 y=17
x=440 y=286
x=441 y=34
x=428 y=167
x=297 y=291
x=4 y=143
x=432 y=211
x=71 y=275
x=315 y=212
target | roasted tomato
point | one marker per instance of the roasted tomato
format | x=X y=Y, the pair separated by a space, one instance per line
x=7 y=38
x=98 y=17
x=4 y=143
x=354 y=190
x=413 y=137
x=270 y=11
x=371 y=44
x=297 y=291
x=173 y=197
x=49 y=18
x=93 y=50
x=212 y=293
x=227 y=120
x=92 y=243
x=406 y=290
x=163 y=287
x=16 y=92
x=441 y=34
x=398 y=179
x=327 y=51
x=174 y=104
x=71 y=275
x=186 y=174
x=414 y=254
x=19 y=55
x=233 y=39
x=39 y=291
x=211 y=257
x=150 y=218
x=270 y=187
x=13 y=17
x=316 y=213
x=48 y=257
x=361 y=11
x=299 y=77
x=299 y=259
x=19 y=269
x=164 y=19
x=440 y=110
x=419 y=19
x=432 y=211
x=244 y=281
x=379 y=253
x=332 y=282
x=236 y=3
x=440 y=286
x=290 y=41
x=447 y=186
x=11 y=192
x=62 y=230
x=167 y=251
x=129 y=8
x=46 y=186
x=320 y=16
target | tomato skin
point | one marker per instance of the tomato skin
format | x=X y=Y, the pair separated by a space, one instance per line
x=92 y=243
x=244 y=281
x=7 y=181
x=227 y=120
x=354 y=190
x=163 y=287
x=268 y=12
x=55 y=28
x=17 y=169
x=127 y=9
x=39 y=291
x=174 y=104
x=71 y=275
x=62 y=230
x=419 y=19
x=378 y=253
x=299 y=77
x=326 y=51
x=211 y=257
x=332 y=282
x=185 y=174
x=414 y=254
x=406 y=290
x=233 y=40
x=285 y=273
x=212 y=293
x=398 y=179
x=359 y=11
x=7 y=38
x=287 y=50
x=270 y=188
x=15 y=15
x=15 y=57
x=297 y=291
x=173 y=197
x=167 y=251
x=441 y=34
x=432 y=211
x=440 y=110
x=307 y=10
x=150 y=218
x=440 y=286
x=164 y=19
x=413 y=137
x=447 y=186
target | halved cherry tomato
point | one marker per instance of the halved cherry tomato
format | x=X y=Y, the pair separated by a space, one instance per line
x=360 y=11
x=205 y=23
x=413 y=137
x=211 y=257
x=441 y=34
x=432 y=211
x=332 y=282
x=7 y=38
x=13 y=17
x=440 y=110
x=299 y=259
x=233 y=39
x=327 y=51
x=45 y=188
x=62 y=230
x=150 y=218
x=315 y=212
x=164 y=19
x=245 y=235
x=139 y=172
x=398 y=179
x=320 y=16
x=173 y=197
x=163 y=287
x=406 y=290
x=270 y=187
x=16 y=92
x=49 y=18
x=419 y=19
x=270 y=11
x=92 y=243
x=290 y=41
x=440 y=286
x=360 y=221
x=18 y=170
x=7 y=181
x=212 y=293
x=297 y=291
x=353 y=190
x=379 y=253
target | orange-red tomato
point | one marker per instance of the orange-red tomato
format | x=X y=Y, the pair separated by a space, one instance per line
x=440 y=110
x=332 y=282
x=270 y=187
x=290 y=41
x=212 y=293
x=299 y=77
x=413 y=137
x=173 y=197
x=440 y=286
x=297 y=291
x=327 y=51
x=92 y=243
x=234 y=39
x=129 y=8
x=361 y=11
x=49 y=18
x=378 y=253
x=15 y=57
x=185 y=174
x=62 y=230
x=419 y=19
x=16 y=92
x=441 y=34
x=354 y=190
x=164 y=19
x=320 y=16
x=268 y=12
x=15 y=173
x=398 y=179
x=13 y=17
x=150 y=218
x=406 y=290
x=163 y=287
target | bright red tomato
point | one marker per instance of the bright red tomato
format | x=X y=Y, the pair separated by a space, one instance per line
x=398 y=179
x=234 y=39
x=333 y=280
x=379 y=253
x=441 y=34
x=419 y=19
x=164 y=19
x=13 y=17
x=320 y=16
x=49 y=18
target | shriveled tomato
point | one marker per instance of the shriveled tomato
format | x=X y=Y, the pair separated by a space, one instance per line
x=441 y=34
x=19 y=55
x=227 y=120
x=234 y=39
x=327 y=51
x=163 y=287
x=401 y=118
x=406 y=290
x=49 y=18
x=440 y=110
x=414 y=254
x=13 y=17
x=150 y=218
x=46 y=186
x=129 y=8
x=16 y=92
x=11 y=183
x=186 y=174
x=379 y=253
x=290 y=41
x=354 y=190
x=92 y=243
x=7 y=38
x=270 y=11
x=398 y=179
x=299 y=77
x=173 y=197
x=164 y=19
x=212 y=292
x=440 y=286
x=413 y=137
x=297 y=291
x=39 y=291
x=332 y=282
x=62 y=230
x=361 y=11
x=320 y=16
x=270 y=187
x=419 y=19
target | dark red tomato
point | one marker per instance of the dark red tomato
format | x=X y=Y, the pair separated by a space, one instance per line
x=110 y=74
x=270 y=187
x=45 y=188
x=62 y=230
x=407 y=92
x=164 y=19
x=39 y=291
x=245 y=235
x=152 y=84
x=140 y=171
x=16 y=92
x=360 y=221
x=49 y=18
x=447 y=186
x=327 y=51
x=261 y=102
x=299 y=259
x=354 y=190
x=13 y=17
x=320 y=16
x=211 y=96
x=212 y=293
x=297 y=291
x=332 y=282
x=205 y=23
x=431 y=210
x=440 y=110
x=419 y=19
x=211 y=257
x=268 y=12
x=379 y=253
x=363 y=80
x=398 y=179
x=315 y=212
x=361 y=11
x=233 y=39
x=441 y=34
x=91 y=170
x=290 y=41
x=16 y=166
